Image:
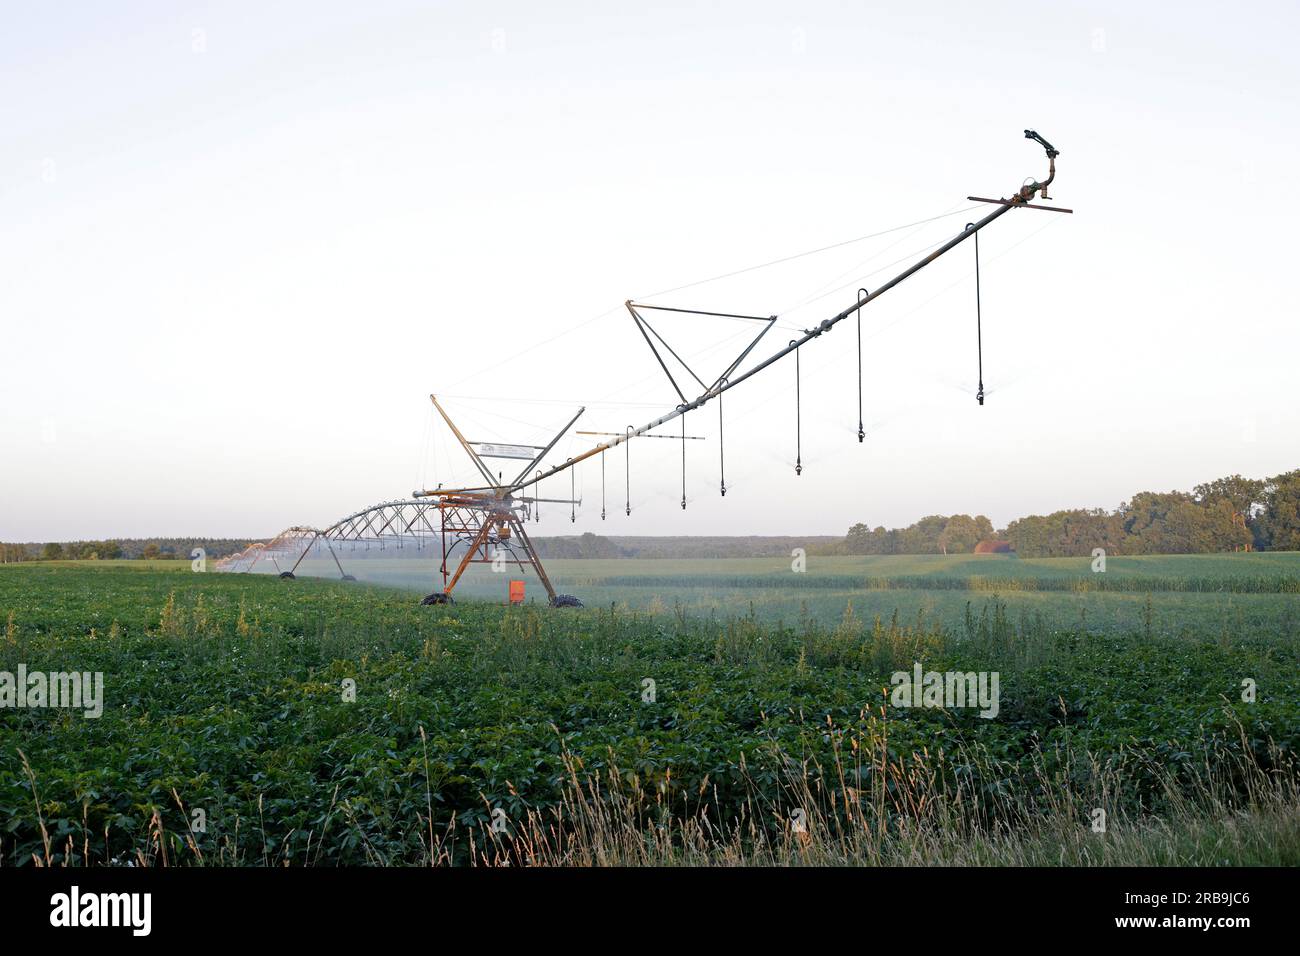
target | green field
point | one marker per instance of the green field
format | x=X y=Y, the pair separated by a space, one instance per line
x=1195 y=595
x=225 y=694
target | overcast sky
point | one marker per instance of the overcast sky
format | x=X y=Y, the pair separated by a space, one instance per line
x=243 y=242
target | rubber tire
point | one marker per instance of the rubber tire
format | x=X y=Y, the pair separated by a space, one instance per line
x=287 y=576
x=348 y=577
x=565 y=600
x=437 y=598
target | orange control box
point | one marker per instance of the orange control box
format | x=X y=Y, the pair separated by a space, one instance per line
x=516 y=592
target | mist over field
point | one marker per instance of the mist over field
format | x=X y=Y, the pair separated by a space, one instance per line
x=1201 y=595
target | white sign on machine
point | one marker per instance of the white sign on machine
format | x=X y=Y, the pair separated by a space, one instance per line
x=487 y=450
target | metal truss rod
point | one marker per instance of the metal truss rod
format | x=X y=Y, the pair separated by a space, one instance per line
x=825 y=326
x=720 y=315
x=1028 y=205
x=469 y=450
x=673 y=437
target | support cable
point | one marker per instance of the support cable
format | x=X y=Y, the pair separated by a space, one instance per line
x=763 y=265
x=602 y=486
x=810 y=252
x=627 y=470
x=838 y=282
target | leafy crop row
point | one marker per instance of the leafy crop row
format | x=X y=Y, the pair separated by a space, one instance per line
x=226 y=694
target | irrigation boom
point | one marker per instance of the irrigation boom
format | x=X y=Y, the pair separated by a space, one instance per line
x=1020 y=198
x=489 y=519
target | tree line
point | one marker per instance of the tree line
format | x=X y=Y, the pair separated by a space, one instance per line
x=1227 y=514
x=60 y=551
x=933 y=534
x=118 y=548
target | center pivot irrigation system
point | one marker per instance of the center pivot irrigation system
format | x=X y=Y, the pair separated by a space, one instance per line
x=489 y=519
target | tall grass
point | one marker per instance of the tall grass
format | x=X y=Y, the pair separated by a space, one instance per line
x=874 y=810
x=871 y=809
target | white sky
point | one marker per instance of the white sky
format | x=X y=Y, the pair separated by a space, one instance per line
x=241 y=243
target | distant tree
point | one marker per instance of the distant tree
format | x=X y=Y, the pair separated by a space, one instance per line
x=1227 y=514
x=1027 y=535
x=150 y=551
x=922 y=537
x=1245 y=495
x=52 y=551
x=597 y=546
x=1066 y=534
x=1209 y=527
x=1147 y=519
x=11 y=553
x=858 y=540
x=1280 y=520
x=584 y=546
x=962 y=532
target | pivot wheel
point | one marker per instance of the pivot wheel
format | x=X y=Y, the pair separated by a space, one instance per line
x=438 y=598
x=287 y=576
x=565 y=600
